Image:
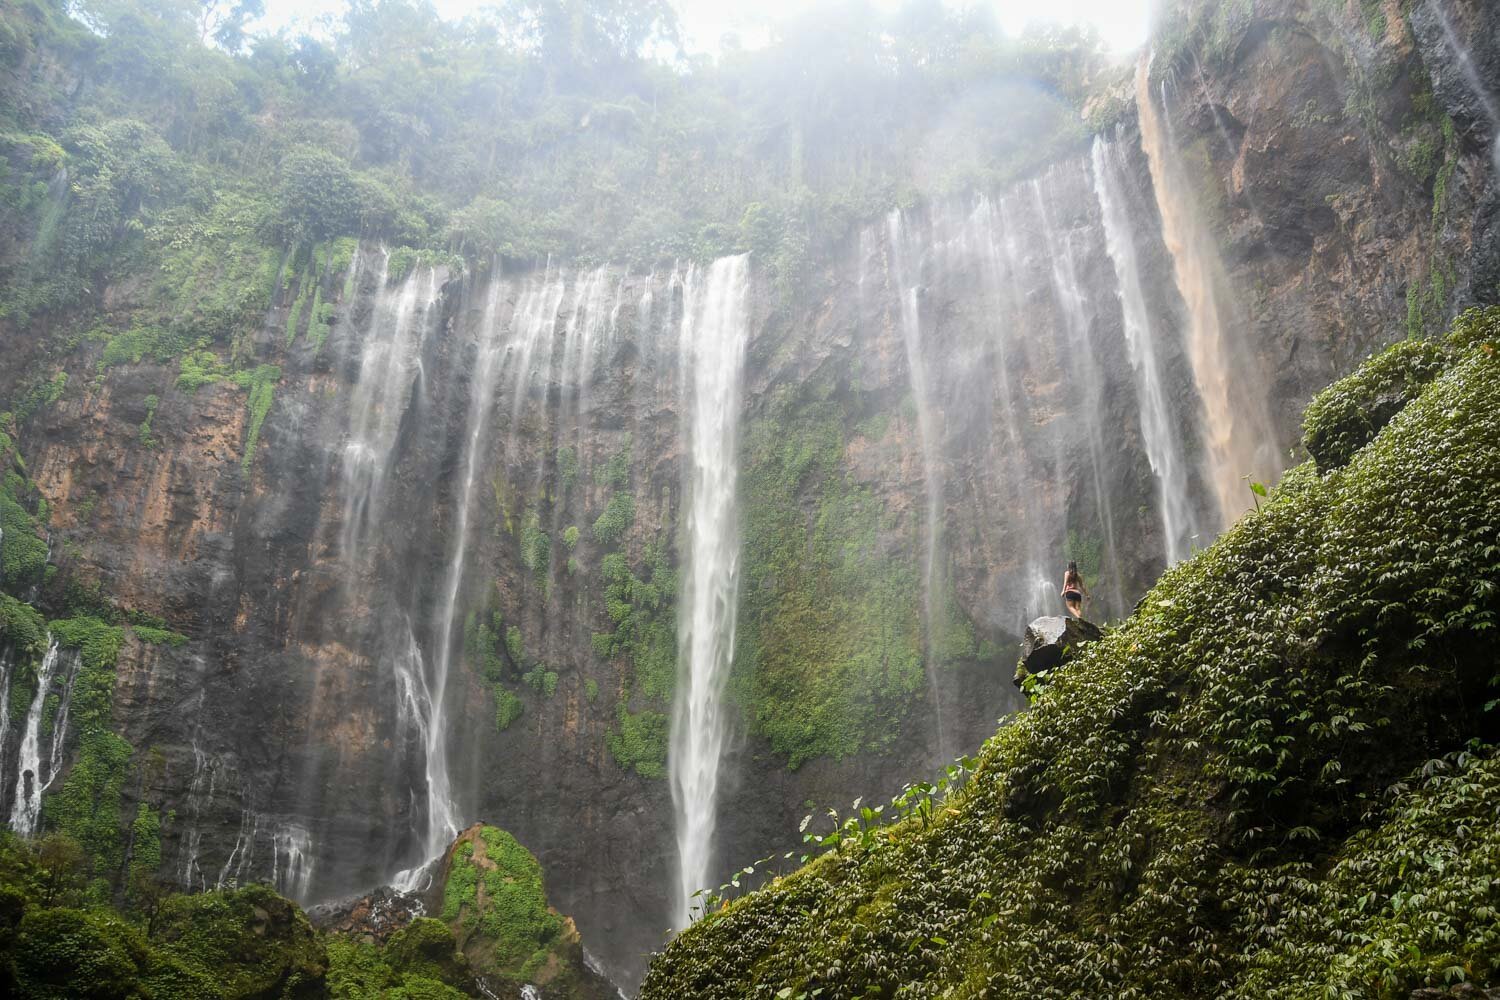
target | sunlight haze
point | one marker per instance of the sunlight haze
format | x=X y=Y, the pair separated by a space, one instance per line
x=1122 y=24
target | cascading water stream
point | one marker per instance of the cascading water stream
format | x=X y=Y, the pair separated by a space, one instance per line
x=711 y=344
x=1488 y=102
x=38 y=762
x=1164 y=449
x=1040 y=590
x=534 y=321
x=933 y=579
x=1079 y=359
x=419 y=692
x=1237 y=429
x=387 y=378
x=388 y=381
x=7 y=667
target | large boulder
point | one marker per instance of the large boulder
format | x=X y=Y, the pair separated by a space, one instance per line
x=1051 y=641
x=494 y=903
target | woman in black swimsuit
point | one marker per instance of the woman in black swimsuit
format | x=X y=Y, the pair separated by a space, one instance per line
x=1073 y=591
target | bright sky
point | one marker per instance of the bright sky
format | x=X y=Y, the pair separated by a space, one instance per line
x=1121 y=23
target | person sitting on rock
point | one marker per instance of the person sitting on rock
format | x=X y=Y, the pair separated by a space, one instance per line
x=1073 y=591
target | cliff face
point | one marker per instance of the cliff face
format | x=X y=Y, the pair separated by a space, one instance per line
x=475 y=476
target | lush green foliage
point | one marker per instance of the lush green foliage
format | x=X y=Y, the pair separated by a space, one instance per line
x=644 y=615
x=1275 y=779
x=526 y=129
x=1345 y=416
x=494 y=901
x=59 y=938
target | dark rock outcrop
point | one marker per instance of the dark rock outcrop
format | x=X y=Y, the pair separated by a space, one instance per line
x=372 y=918
x=1050 y=642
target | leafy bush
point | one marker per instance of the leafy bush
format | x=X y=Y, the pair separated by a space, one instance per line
x=1343 y=418
x=616 y=519
x=508 y=708
x=639 y=741
x=316 y=198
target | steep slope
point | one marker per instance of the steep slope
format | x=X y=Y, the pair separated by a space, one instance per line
x=1275 y=779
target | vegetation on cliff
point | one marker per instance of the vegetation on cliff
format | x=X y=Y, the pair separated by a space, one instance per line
x=1276 y=779
x=63 y=933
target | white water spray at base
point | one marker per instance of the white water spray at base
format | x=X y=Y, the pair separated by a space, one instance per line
x=715 y=328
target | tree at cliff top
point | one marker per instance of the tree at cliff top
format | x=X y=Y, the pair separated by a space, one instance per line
x=1278 y=778
x=138 y=137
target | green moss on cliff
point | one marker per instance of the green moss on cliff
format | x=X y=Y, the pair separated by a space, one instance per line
x=260 y=386
x=643 y=610
x=1267 y=782
x=830 y=644
x=87 y=806
x=23 y=550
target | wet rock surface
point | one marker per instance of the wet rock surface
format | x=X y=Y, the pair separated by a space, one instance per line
x=372 y=918
x=1052 y=641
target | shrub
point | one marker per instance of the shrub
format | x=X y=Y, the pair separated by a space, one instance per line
x=1345 y=416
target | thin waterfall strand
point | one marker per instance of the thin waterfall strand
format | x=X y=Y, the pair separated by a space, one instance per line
x=933 y=592
x=1487 y=101
x=1079 y=359
x=1163 y=446
x=442 y=812
x=37 y=764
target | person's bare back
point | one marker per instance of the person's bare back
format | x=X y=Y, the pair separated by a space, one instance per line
x=1074 y=593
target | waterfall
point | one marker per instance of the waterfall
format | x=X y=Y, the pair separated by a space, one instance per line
x=423 y=701
x=1079 y=360
x=416 y=714
x=7 y=667
x=388 y=370
x=200 y=795
x=1238 y=433
x=1487 y=101
x=242 y=856
x=389 y=376
x=38 y=762
x=997 y=236
x=535 y=320
x=713 y=335
x=934 y=592
x=291 y=860
x=1163 y=448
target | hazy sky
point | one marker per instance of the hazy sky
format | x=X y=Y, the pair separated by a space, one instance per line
x=1122 y=23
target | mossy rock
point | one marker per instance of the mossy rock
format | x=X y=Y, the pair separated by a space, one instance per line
x=253 y=942
x=496 y=908
x=1277 y=778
